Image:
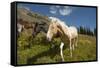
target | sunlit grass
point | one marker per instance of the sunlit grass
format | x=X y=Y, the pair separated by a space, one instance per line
x=38 y=50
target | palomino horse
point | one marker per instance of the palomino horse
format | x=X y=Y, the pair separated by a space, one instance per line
x=67 y=34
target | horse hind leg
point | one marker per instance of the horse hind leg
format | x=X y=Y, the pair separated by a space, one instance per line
x=73 y=44
x=70 y=48
x=61 y=49
x=76 y=41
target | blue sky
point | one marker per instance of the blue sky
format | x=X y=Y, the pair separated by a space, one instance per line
x=72 y=16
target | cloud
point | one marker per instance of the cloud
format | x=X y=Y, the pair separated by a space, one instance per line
x=53 y=10
x=65 y=10
x=61 y=10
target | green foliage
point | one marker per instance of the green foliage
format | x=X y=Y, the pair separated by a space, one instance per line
x=40 y=51
x=85 y=30
x=95 y=31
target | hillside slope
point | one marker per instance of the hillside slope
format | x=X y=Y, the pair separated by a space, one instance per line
x=41 y=52
x=33 y=18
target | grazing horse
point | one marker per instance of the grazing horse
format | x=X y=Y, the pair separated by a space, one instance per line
x=35 y=26
x=67 y=34
x=23 y=25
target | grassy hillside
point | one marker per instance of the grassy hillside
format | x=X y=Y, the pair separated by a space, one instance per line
x=38 y=50
x=31 y=16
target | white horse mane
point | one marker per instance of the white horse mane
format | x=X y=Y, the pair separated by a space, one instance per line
x=54 y=19
x=69 y=30
x=62 y=24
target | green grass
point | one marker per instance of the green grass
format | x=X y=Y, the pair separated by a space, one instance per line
x=38 y=50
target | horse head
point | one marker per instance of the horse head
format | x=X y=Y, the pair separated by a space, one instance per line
x=53 y=31
x=56 y=28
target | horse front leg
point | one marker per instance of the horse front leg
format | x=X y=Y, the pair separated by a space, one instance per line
x=73 y=44
x=61 y=49
x=70 y=48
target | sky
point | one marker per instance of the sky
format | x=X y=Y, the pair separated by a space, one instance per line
x=71 y=15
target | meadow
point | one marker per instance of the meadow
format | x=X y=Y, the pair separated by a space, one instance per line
x=36 y=50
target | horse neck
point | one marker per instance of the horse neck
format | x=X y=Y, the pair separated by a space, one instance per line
x=63 y=32
x=63 y=27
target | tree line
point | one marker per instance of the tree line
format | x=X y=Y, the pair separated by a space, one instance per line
x=87 y=31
